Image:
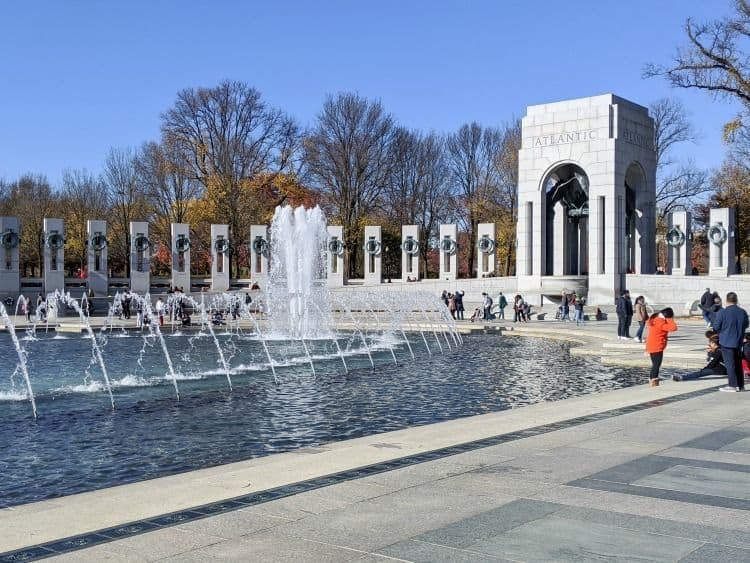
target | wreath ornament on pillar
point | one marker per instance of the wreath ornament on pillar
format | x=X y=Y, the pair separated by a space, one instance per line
x=336 y=247
x=141 y=243
x=410 y=247
x=182 y=244
x=372 y=247
x=260 y=246
x=486 y=245
x=55 y=241
x=448 y=245
x=221 y=246
x=10 y=239
x=675 y=237
x=717 y=234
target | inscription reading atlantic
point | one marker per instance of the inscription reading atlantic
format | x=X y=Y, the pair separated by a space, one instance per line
x=564 y=138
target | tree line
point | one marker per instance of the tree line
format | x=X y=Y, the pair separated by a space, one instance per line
x=227 y=156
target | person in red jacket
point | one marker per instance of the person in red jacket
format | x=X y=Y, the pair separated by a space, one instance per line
x=659 y=326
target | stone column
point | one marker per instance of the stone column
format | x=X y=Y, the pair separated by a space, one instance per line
x=96 y=257
x=410 y=252
x=219 y=257
x=259 y=252
x=485 y=249
x=181 y=256
x=373 y=249
x=10 y=269
x=679 y=246
x=560 y=241
x=335 y=257
x=54 y=255
x=140 y=258
x=721 y=241
x=448 y=252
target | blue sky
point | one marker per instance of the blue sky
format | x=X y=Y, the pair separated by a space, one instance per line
x=79 y=77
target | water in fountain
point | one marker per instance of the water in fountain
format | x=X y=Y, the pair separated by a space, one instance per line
x=68 y=300
x=21 y=355
x=297 y=273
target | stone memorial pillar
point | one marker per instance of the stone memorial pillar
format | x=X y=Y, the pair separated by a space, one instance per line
x=259 y=255
x=10 y=267
x=140 y=258
x=181 y=256
x=721 y=241
x=410 y=253
x=54 y=255
x=448 y=252
x=335 y=259
x=219 y=257
x=560 y=242
x=96 y=258
x=373 y=248
x=679 y=247
x=485 y=249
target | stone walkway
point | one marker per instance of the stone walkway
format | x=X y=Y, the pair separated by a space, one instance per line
x=635 y=474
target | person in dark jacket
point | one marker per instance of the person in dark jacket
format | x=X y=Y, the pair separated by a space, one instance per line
x=459 y=300
x=707 y=300
x=624 y=309
x=731 y=324
x=715 y=365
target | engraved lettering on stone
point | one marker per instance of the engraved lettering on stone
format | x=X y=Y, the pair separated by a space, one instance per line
x=564 y=138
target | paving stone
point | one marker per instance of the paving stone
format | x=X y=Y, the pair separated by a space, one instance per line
x=700 y=480
x=560 y=539
x=710 y=553
x=422 y=552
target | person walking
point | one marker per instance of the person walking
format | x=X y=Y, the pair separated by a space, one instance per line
x=730 y=324
x=714 y=309
x=707 y=300
x=624 y=309
x=659 y=326
x=641 y=316
x=502 y=303
x=459 y=299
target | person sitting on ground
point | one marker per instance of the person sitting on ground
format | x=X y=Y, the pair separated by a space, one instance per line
x=715 y=365
x=746 y=355
x=217 y=319
x=478 y=313
x=185 y=319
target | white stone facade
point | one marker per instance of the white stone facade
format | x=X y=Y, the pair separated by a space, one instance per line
x=219 y=257
x=410 y=251
x=54 y=255
x=448 y=252
x=10 y=274
x=180 y=255
x=605 y=145
x=335 y=256
x=96 y=257
x=721 y=242
x=140 y=257
x=373 y=253
x=259 y=251
x=485 y=250
x=679 y=244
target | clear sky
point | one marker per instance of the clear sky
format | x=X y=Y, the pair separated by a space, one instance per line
x=77 y=77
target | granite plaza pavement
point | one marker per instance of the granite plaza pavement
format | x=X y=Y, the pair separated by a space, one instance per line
x=646 y=474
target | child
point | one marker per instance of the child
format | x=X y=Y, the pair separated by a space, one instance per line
x=659 y=326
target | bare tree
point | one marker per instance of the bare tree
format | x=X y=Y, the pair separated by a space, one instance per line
x=127 y=202
x=713 y=60
x=170 y=189
x=31 y=198
x=83 y=197
x=348 y=157
x=418 y=191
x=473 y=154
x=229 y=137
x=678 y=183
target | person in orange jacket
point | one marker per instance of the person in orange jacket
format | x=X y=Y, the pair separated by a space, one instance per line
x=659 y=326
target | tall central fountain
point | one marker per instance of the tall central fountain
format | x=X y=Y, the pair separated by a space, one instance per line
x=297 y=294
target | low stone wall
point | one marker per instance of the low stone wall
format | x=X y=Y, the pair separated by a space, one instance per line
x=683 y=292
